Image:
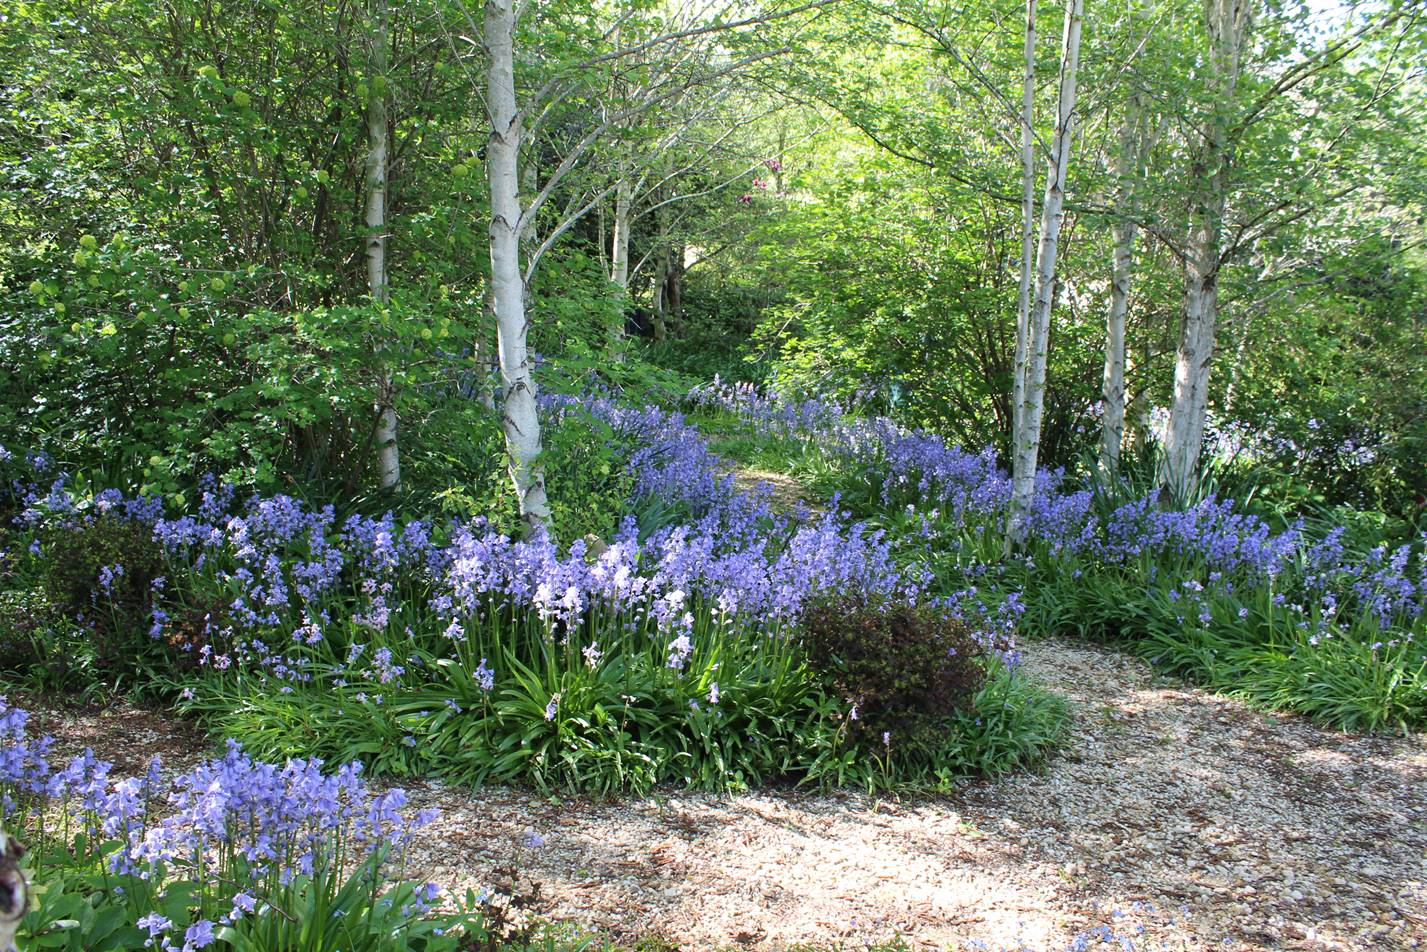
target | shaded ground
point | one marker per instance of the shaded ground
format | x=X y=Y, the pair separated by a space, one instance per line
x=784 y=492
x=1174 y=818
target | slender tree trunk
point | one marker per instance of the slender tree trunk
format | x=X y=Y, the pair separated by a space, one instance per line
x=1228 y=22
x=1137 y=408
x=601 y=243
x=518 y=408
x=1112 y=434
x=1188 y=412
x=619 y=246
x=1027 y=449
x=1236 y=365
x=619 y=257
x=674 y=293
x=661 y=275
x=1028 y=225
x=14 y=890
x=388 y=457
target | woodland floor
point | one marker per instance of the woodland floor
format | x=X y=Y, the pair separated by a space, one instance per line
x=1206 y=823
x=784 y=492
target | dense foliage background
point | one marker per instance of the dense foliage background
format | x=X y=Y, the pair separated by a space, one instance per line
x=589 y=272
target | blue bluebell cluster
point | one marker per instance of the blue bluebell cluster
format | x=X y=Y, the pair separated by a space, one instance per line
x=289 y=574
x=1183 y=576
x=267 y=594
x=969 y=490
x=234 y=831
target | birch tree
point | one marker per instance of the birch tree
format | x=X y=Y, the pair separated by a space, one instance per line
x=982 y=112
x=1227 y=23
x=1027 y=446
x=619 y=246
x=375 y=239
x=519 y=417
x=675 y=65
x=1223 y=163
x=1134 y=142
x=14 y=890
x=680 y=153
x=1028 y=222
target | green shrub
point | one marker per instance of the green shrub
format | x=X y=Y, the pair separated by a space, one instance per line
x=453 y=460
x=1011 y=724
x=40 y=650
x=587 y=477
x=101 y=572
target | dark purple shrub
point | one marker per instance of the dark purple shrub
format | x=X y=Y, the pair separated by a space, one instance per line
x=903 y=668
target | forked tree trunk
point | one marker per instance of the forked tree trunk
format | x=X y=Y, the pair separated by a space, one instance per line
x=519 y=418
x=1112 y=434
x=1028 y=225
x=1227 y=23
x=388 y=457
x=1027 y=448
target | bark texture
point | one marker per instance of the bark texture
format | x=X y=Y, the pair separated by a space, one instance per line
x=619 y=246
x=1027 y=447
x=1127 y=164
x=1228 y=23
x=1028 y=224
x=519 y=417
x=485 y=358
x=14 y=890
x=388 y=455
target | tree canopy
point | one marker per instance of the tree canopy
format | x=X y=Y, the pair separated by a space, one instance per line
x=828 y=195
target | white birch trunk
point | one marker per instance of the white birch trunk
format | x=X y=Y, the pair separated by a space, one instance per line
x=519 y=417
x=619 y=247
x=1228 y=23
x=1112 y=434
x=14 y=890
x=388 y=457
x=1028 y=224
x=1184 y=433
x=1137 y=402
x=1027 y=448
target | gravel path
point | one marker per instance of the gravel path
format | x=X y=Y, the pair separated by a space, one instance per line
x=1174 y=818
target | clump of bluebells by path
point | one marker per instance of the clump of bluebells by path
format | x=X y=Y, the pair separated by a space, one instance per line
x=233 y=853
x=1288 y=619
x=666 y=653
